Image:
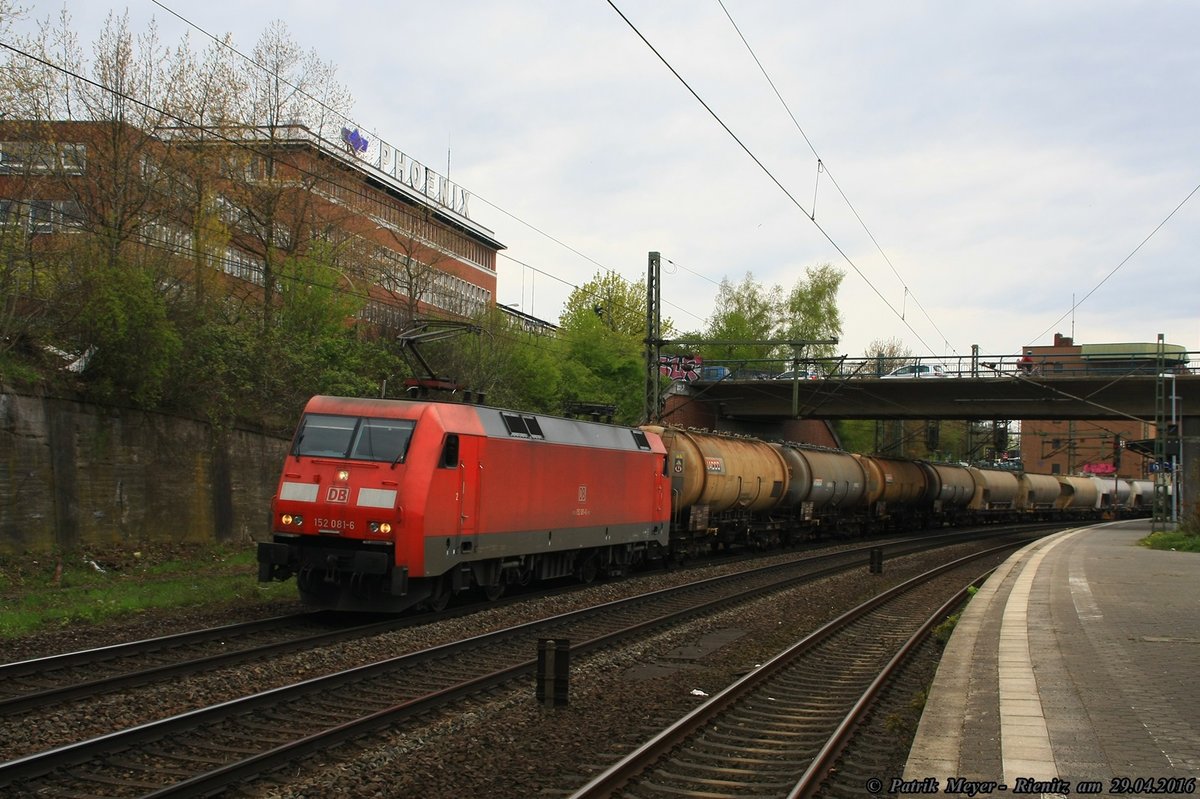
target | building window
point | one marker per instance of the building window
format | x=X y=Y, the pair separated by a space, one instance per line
x=41 y=216
x=18 y=157
x=243 y=266
x=73 y=158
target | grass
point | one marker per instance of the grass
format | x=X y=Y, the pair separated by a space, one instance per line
x=1181 y=540
x=53 y=591
x=941 y=633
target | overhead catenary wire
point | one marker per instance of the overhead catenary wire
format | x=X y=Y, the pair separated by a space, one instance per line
x=1070 y=311
x=823 y=167
x=766 y=171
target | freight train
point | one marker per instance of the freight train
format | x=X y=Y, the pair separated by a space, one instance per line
x=383 y=505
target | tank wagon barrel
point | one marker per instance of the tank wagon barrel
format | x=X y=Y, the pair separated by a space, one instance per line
x=1037 y=492
x=1077 y=493
x=723 y=472
x=951 y=487
x=831 y=479
x=995 y=489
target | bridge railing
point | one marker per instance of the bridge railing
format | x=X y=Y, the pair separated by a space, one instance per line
x=982 y=366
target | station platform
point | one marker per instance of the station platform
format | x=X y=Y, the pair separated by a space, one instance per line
x=1074 y=669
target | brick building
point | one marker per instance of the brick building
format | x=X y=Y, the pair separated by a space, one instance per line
x=243 y=200
x=1098 y=447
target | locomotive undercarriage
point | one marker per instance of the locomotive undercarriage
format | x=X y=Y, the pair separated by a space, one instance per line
x=347 y=575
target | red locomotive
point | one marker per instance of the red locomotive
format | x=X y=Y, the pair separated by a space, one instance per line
x=386 y=504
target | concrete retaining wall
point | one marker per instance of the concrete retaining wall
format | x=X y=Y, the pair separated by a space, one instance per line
x=74 y=475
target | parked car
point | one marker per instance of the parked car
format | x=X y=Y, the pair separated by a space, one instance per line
x=916 y=370
x=798 y=374
x=715 y=372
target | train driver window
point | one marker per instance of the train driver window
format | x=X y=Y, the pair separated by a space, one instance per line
x=382 y=440
x=450 y=452
x=324 y=436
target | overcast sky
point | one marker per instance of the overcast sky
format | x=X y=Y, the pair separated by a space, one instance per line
x=1006 y=158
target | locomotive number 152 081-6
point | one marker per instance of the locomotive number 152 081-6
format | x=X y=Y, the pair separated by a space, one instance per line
x=334 y=524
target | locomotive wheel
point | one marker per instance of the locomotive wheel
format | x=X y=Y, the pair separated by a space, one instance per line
x=493 y=592
x=439 y=594
x=587 y=569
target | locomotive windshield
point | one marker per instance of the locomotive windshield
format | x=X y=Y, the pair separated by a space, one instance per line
x=357 y=438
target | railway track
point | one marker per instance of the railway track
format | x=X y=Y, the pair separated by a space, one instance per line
x=196 y=753
x=778 y=731
x=40 y=682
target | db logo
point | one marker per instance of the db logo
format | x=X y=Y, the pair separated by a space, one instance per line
x=338 y=494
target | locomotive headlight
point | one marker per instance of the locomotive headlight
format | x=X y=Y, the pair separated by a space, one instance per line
x=374 y=527
x=343 y=475
x=286 y=519
x=385 y=528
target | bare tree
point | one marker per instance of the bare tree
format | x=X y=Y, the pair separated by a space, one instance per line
x=277 y=187
x=889 y=354
x=81 y=131
x=412 y=268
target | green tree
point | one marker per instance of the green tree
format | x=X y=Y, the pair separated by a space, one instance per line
x=810 y=311
x=751 y=312
x=601 y=344
x=619 y=305
x=511 y=366
x=122 y=322
x=316 y=298
x=271 y=199
x=746 y=311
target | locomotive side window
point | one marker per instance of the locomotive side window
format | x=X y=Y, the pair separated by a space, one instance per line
x=324 y=436
x=524 y=426
x=639 y=438
x=382 y=440
x=450 y=452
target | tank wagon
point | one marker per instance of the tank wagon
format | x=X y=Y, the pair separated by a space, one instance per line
x=1037 y=494
x=723 y=489
x=387 y=504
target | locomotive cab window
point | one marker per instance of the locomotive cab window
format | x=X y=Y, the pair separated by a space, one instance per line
x=324 y=436
x=382 y=440
x=327 y=436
